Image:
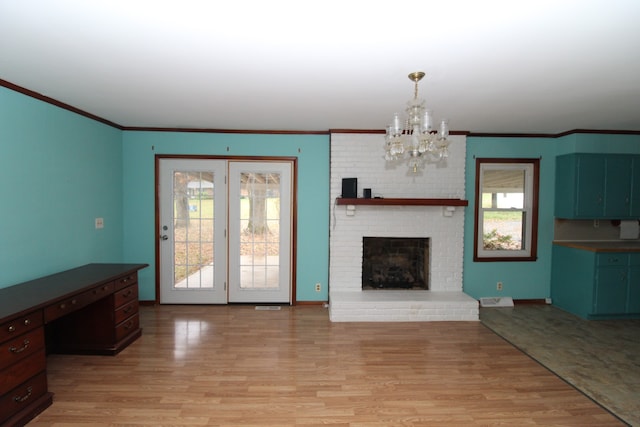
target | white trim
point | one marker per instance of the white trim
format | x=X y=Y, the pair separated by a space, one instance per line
x=527 y=211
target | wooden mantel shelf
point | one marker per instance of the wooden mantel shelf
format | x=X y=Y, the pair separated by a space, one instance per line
x=402 y=202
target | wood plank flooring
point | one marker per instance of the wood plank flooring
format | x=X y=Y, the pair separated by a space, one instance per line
x=237 y=366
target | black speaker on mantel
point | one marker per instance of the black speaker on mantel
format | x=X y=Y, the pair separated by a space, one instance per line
x=349 y=188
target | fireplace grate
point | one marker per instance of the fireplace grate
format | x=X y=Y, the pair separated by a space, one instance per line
x=395 y=263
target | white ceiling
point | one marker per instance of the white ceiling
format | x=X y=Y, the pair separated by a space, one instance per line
x=542 y=66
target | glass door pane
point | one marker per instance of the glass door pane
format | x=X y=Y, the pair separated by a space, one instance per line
x=193 y=214
x=260 y=231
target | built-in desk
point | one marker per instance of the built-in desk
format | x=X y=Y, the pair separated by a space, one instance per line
x=91 y=309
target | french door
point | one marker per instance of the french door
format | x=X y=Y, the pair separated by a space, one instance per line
x=224 y=240
x=259 y=231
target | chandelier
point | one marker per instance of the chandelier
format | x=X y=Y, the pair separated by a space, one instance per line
x=413 y=138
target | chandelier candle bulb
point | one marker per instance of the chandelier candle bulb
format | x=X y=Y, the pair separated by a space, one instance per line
x=396 y=126
x=444 y=129
x=427 y=122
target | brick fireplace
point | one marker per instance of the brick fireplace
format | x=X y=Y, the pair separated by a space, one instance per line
x=361 y=156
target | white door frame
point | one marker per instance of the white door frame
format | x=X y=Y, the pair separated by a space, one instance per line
x=293 y=237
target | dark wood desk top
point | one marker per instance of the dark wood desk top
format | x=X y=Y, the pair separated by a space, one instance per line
x=28 y=296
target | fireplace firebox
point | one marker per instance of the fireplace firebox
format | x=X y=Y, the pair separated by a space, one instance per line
x=395 y=263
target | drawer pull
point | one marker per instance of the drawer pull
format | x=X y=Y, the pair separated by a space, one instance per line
x=129 y=325
x=24 y=398
x=64 y=304
x=128 y=310
x=12 y=328
x=126 y=294
x=25 y=345
x=102 y=289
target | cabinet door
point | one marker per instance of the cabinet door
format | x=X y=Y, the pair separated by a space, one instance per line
x=573 y=280
x=566 y=169
x=635 y=187
x=633 y=295
x=611 y=284
x=618 y=186
x=590 y=186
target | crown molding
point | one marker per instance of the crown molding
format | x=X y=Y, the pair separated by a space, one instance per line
x=57 y=103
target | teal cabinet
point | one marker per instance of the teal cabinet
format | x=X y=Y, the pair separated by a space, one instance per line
x=596 y=285
x=635 y=188
x=597 y=186
x=580 y=186
x=611 y=283
x=618 y=180
x=633 y=296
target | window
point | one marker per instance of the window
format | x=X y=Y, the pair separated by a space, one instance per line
x=506 y=209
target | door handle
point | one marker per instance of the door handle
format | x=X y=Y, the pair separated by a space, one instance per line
x=164 y=237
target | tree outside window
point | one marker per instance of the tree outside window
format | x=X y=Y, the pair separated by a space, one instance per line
x=506 y=209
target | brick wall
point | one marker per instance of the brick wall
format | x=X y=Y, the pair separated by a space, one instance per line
x=362 y=156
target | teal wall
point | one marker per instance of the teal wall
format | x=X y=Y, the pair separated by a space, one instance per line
x=527 y=280
x=58 y=172
x=521 y=280
x=312 y=151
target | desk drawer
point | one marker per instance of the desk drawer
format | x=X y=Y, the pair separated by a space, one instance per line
x=126 y=311
x=128 y=326
x=127 y=280
x=21 y=347
x=20 y=325
x=76 y=302
x=126 y=295
x=18 y=373
x=22 y=396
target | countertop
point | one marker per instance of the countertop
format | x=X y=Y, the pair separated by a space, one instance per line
x=601 y=245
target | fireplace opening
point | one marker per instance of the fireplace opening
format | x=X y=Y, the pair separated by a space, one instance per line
x=395 y=263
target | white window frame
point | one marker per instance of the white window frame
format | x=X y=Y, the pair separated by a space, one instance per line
x=530 y=167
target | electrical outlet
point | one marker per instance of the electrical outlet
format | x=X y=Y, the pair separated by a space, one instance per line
x=99 y=223
x=499 y=286
x=318 y=287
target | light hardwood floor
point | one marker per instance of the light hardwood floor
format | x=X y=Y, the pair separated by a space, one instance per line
x=237 y=366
